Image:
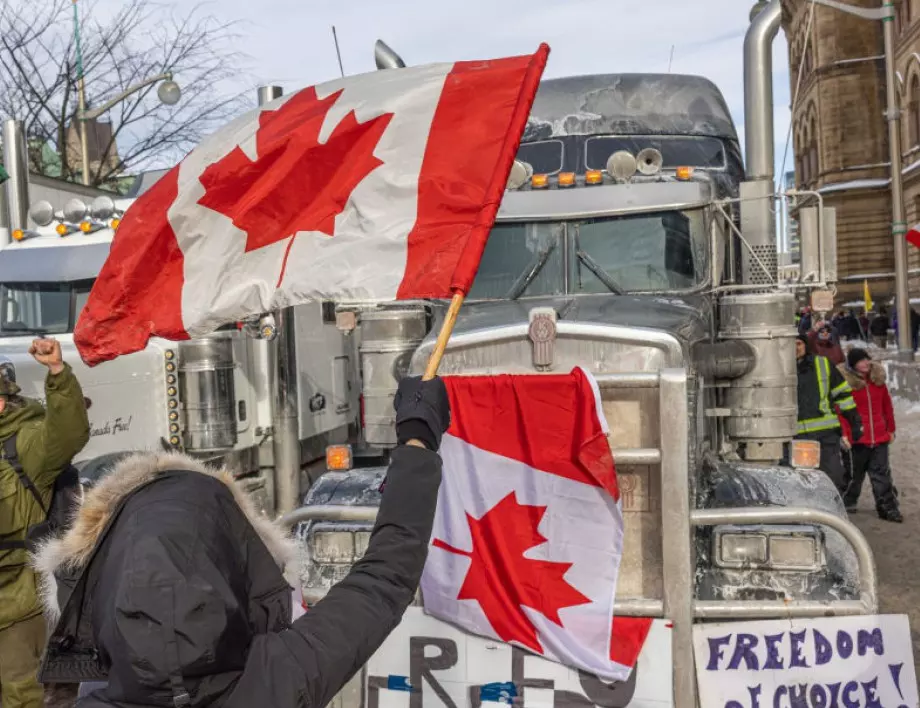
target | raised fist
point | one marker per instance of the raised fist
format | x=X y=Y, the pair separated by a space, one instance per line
x=47 y=352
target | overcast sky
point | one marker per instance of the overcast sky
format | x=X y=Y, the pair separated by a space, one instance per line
x=290 y=41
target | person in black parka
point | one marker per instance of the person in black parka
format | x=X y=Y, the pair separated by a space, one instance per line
x=172 y=588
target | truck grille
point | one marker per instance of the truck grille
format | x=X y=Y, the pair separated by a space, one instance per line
x=632 y=414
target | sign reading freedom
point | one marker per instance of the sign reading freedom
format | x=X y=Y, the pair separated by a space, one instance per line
x=839 y=662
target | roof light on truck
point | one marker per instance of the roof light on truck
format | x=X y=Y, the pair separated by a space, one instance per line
x=683 y=173
x=539 y=181
x=18 y=234
x=63 y=229
x=114 y=223
x=566 y=179
x=594 y=177
x=89 y=227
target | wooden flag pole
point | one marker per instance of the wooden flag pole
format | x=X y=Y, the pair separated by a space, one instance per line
x=434 y=361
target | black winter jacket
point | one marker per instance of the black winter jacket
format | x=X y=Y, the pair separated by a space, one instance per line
x=173 y=592
x=809 y=397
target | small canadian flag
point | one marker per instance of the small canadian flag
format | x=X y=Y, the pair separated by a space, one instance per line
x=913 y=235
x=528 y=533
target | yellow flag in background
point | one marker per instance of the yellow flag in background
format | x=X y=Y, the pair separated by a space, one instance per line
x=867 y=296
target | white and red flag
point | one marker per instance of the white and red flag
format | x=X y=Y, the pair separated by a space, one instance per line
x=528 y=533
x=381 y=186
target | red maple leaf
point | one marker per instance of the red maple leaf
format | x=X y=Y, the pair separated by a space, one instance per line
x=296 y=183
x=503 y=581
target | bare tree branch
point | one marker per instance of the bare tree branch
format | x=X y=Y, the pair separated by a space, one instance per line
x=38 y=81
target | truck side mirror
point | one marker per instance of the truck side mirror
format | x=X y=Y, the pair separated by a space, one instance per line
x=809 y=245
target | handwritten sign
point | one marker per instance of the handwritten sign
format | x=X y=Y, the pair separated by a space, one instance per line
x=427 y=663
x=831 y=662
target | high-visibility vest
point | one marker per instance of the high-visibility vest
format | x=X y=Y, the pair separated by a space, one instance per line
x=841 y=396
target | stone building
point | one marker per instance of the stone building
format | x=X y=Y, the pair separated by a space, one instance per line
x=840 y=134
x=101 y=148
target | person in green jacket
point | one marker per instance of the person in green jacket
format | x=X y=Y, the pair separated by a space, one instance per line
x=47 y=439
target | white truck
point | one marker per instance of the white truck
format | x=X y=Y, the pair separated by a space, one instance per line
x=210 y=397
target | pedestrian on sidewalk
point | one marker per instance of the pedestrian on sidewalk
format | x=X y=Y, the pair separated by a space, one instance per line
x=870 y=450
x=879 y=327
x=173 y=591
x=914 y=329
x=823 y=393
x=44 y=439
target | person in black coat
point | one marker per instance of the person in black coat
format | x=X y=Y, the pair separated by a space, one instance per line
x=172 y=588
x=879 y=327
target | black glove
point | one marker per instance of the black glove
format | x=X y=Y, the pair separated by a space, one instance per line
x=855 y=421
x=422 y=411
x=856 y=432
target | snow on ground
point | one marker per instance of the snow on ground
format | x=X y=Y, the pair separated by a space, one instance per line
x=897 y=546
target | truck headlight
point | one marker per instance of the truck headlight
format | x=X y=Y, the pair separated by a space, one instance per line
x=332 y=547
x=800 y=552
x=793 y=548
x=332 y=550
x=740 y=550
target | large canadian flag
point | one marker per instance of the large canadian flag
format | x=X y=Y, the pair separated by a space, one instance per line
x=528 y=533
x=381 y=186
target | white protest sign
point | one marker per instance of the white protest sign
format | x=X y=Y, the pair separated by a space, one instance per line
x=831 y=662
x=427 y=663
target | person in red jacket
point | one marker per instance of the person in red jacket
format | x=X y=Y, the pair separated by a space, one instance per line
x=870 y=451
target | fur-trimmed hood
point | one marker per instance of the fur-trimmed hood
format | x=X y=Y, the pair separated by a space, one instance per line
x=73 y=550
x=877 y=375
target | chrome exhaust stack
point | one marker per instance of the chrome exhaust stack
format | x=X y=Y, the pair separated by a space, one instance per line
x=16 y=159
x=386 y=58
x=758 y=218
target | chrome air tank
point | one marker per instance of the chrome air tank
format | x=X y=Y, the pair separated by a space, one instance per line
x=762 y=404
x=389 y=337
x=207 y=391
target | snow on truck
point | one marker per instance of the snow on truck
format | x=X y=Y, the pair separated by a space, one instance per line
x=631 y=241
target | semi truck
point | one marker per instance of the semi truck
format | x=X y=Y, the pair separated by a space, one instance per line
x=633 y=240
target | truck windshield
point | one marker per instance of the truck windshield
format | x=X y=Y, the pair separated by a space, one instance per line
x=650 y=252
x=41 y=308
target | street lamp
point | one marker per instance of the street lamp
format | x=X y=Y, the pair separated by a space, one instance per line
x=168 y=92
x=885 y=15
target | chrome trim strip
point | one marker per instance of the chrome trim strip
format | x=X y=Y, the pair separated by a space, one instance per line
x=677 y=554
x=508 y=333
x=636 y=456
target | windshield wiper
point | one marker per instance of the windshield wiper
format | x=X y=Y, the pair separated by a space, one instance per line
x=601 y=274
x=528 y=276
